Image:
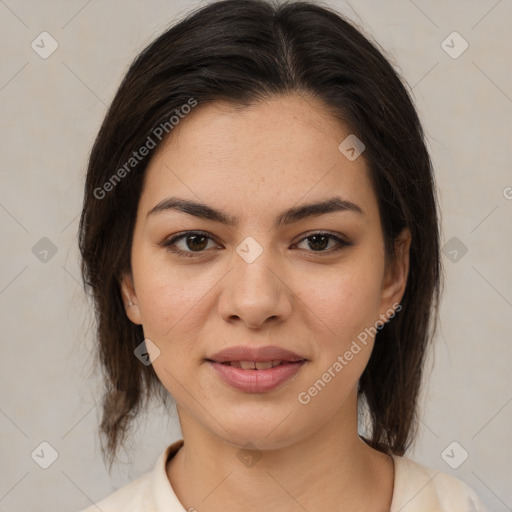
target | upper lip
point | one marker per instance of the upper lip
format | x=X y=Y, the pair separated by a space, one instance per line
x=256 y=354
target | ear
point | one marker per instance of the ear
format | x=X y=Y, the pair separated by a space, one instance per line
x=396 y=273
x=130 y=299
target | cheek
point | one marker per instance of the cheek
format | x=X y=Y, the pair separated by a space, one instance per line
x=341 y=308
x=170 y=299
x=171 y=306
x=165 y=289
x=345 y=300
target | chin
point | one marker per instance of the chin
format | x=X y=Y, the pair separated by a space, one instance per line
x=248 y=439
x=271 y=432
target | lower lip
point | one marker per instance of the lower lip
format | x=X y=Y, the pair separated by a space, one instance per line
x=256 y=381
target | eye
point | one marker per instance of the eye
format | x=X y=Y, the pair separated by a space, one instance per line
x=197 y=242
x=319 y=241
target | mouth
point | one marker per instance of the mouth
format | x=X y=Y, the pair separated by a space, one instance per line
x=256 y=370
x=257 y=365
x=255 y=358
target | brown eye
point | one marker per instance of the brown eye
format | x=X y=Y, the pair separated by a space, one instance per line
x=191 y=242
x=196 y=242
x=318 y=242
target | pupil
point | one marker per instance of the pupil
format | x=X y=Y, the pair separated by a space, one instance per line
x=194 y=239
x=315 y=244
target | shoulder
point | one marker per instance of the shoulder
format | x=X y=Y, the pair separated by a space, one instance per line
x=135 y=496
x=418 y=488
x=150 y=492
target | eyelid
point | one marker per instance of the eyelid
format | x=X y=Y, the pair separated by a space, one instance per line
x=167 y=243
x=340 y=239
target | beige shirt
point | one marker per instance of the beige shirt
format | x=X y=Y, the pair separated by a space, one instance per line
x=416 y=489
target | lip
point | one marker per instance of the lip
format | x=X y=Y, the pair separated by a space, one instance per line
x=258 y=354
x=256 y=381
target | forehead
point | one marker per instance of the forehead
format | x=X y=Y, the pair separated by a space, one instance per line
x=277 y=152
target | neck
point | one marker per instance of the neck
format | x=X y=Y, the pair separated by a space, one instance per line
x=331 y=469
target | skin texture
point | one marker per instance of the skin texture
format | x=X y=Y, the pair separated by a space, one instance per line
x=255 y=163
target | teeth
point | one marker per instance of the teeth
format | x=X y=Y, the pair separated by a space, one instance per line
x=264 y=365
x=252 y=365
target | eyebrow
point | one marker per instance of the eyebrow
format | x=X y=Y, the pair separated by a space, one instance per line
x=289 y=216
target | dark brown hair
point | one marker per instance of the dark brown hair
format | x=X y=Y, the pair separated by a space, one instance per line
x=242 y=51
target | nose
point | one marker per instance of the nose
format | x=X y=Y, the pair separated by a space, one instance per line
x=256 y=293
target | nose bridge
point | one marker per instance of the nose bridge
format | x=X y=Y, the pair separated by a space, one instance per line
x=253 y=264
x=255 y=291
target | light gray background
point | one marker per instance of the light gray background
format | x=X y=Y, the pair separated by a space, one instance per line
x=51 y=110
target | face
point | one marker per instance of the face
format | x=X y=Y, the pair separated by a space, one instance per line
x=312 y=284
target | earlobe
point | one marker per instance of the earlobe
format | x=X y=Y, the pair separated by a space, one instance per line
x=395 y=281
x=130 y=299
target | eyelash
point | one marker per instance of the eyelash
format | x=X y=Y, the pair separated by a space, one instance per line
x=192 y=254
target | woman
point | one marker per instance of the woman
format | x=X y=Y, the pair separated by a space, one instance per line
x=260 y=236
